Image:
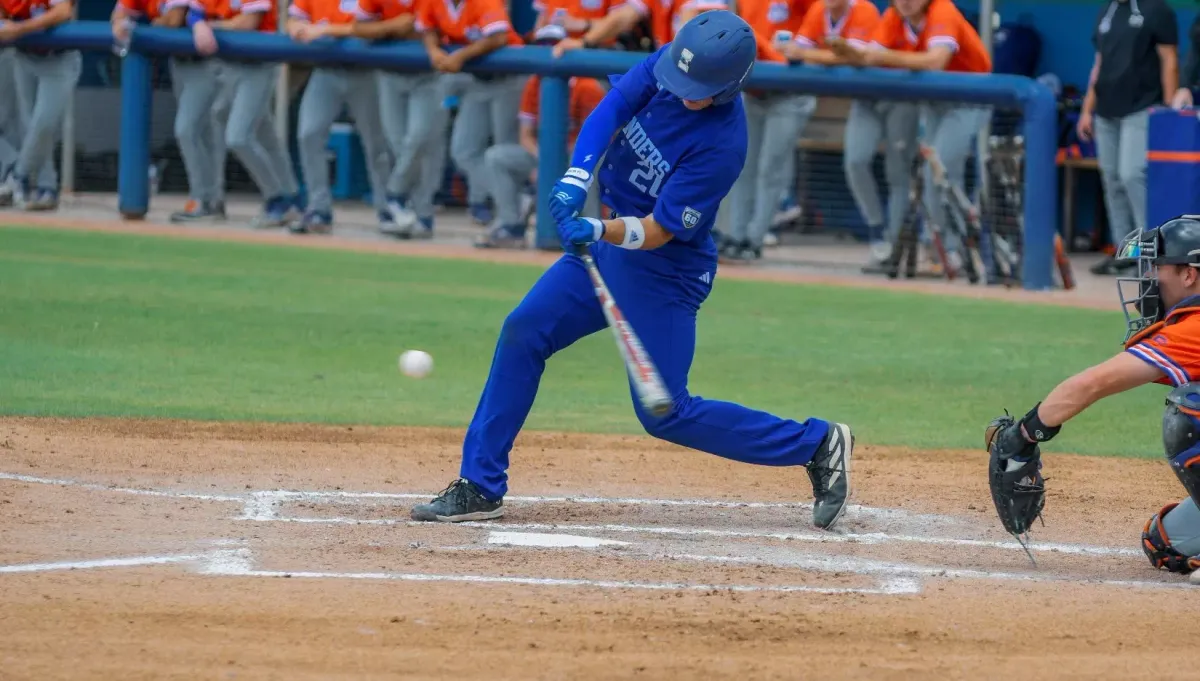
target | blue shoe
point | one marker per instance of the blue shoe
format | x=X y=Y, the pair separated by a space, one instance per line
x=274 y=213
x=480 y=214
x=424 y=228
x=386 y=224
x=313 y=222
x=503 y=236
x=42 y=199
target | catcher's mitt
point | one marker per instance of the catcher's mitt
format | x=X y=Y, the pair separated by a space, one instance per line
x=1014 y=475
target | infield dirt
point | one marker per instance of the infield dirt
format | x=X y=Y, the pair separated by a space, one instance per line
x=328 y=580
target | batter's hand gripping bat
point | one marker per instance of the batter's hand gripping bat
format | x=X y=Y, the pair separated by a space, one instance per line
x=647 y=383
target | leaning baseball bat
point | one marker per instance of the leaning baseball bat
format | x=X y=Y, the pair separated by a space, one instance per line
x=647 y=383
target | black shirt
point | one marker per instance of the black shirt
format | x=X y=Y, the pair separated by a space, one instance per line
x=1130 y=78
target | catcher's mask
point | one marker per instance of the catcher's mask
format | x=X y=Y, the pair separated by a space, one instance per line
x=1175 y=242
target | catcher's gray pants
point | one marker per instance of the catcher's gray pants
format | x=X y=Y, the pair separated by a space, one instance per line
x=1121 y=151
x=1182 y=526
x=509 y=167
x=951 y=130
x=202 y=108
x=773 y=124
x=328 y=90
x=414 y=124
x=250 y=132
x=43 y=85
x=487 y=109
x=894 y=124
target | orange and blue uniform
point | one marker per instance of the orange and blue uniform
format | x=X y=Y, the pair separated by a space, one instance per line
x=944 y=26
x=855 y=26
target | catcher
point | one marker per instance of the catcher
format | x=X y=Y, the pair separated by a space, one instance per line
x=1162 y=311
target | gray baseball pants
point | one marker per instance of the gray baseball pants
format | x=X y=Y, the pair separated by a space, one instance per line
x=894 y=124
x=328 y=90
x=414 y=124
x=951 y=130
x=43 y=85
x=10 y=114
x=487 y=116
x=202 y=109
x=509 y=166
x=250 y=132
x=1121 y=151
x=773 y=124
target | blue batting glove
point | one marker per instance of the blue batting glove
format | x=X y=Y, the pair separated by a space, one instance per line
x=579 y=232
x=569 y=194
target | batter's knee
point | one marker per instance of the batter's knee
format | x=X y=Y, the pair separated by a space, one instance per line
x=525 y=328
x=1157 y=546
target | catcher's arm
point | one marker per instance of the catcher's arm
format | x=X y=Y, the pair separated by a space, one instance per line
x=1014 y=465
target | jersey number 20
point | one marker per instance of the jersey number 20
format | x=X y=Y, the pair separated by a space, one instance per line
x=647 y=179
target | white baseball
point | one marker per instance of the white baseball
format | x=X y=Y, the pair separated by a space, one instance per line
x=416 y=363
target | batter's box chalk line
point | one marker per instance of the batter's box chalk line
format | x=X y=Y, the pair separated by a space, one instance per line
x=893 y=578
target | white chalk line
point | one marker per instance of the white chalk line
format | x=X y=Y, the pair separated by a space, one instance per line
x=866 y=566
x=867 y=538
x=120 y=490
x=95 y=564
x=239 y=563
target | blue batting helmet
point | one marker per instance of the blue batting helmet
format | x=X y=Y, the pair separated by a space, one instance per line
x=711 y=56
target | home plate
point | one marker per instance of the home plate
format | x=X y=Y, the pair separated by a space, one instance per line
x=550 y=540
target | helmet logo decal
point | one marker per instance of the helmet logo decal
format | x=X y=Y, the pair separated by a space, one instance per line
x=685 y=59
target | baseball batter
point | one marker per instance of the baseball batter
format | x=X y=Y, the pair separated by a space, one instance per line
x=249 y=131
x=44 y=82
x=775 y=121
x=414 y=121
x=932 y=35
x=328 y=89
x=672 y=132
x=1162 y=345
x=870 y=122
x=487 y=104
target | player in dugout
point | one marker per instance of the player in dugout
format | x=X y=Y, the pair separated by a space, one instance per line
x=512 y=166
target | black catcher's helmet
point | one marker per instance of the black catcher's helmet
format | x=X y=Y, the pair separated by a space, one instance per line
x=1174 y=242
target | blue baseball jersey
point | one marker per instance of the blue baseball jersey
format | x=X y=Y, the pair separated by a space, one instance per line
x=672 y=162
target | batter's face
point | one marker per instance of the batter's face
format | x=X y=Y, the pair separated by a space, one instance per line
x=697 y=104
x=1176 y=282
x=913 y=10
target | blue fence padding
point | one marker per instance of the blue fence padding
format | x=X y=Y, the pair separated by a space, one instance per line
x=1034 y=100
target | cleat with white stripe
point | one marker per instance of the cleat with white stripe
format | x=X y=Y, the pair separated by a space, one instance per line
x=829 y=472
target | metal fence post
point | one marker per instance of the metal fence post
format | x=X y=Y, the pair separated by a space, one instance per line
x=133 y=180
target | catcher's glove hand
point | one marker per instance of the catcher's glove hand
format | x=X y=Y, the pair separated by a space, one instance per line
x=1014 y=474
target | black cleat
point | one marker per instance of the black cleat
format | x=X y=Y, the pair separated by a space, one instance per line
x=829 y=472
x=461 y=501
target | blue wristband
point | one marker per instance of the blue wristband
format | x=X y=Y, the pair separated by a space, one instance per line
x=194 y=16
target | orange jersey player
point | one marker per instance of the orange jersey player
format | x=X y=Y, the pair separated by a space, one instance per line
x=487 y=106
x=165 y=13
x=250 y=130
x=932 y=35
x=414 y=121
x=513 y=167
x=665 y=19
x=46 y=80
x=328 y=89
x=853 y=21
x=1162 y=345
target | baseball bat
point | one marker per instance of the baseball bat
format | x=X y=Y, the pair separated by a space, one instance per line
x=647 y=383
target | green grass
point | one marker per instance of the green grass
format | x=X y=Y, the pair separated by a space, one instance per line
x=115 y=325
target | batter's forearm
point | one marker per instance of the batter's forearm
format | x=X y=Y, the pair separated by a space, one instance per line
x=653 y=235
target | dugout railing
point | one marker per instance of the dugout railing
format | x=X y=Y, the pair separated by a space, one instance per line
x=1034 y=101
